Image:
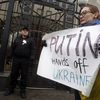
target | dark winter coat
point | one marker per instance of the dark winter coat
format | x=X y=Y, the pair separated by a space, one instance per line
x=23 y=48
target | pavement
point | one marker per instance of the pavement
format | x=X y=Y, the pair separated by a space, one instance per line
x=40 y=94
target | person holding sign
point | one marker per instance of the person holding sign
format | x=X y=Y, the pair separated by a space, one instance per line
x=89 y=15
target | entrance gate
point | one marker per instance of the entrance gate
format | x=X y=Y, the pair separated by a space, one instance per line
x=41 y=17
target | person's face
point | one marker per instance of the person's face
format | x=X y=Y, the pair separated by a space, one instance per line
x=24 y=33
x=86 y=15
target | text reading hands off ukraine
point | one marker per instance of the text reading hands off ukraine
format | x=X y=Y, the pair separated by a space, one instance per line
x=57 y=44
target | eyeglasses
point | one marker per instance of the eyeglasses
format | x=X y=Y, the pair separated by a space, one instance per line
x=84 y=13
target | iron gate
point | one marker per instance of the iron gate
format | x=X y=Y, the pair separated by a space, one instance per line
x=41 y=17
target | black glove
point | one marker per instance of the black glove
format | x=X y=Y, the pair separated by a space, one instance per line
x=96 y=50
x=44 y=43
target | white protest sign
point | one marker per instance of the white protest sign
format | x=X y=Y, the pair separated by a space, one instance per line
x=71 y=57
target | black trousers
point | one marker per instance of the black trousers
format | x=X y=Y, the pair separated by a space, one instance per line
x=19 y=69
x=77 y=96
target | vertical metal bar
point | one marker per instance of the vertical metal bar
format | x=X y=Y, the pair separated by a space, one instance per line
x=64 y=20
x=65 y=14
x=6 y=35
x=42 y=12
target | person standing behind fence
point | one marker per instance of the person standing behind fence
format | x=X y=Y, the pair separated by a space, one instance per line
x=89 y=15
x=22 y=53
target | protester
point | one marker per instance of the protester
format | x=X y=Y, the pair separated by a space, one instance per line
x=22 y=54
x=89 y=15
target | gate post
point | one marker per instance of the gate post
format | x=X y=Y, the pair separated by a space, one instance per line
x=5 y=35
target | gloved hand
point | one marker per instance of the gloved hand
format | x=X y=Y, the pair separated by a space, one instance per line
x=96 y=49
x=44 y=43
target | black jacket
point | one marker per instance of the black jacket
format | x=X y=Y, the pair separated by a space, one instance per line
x=23 y=48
